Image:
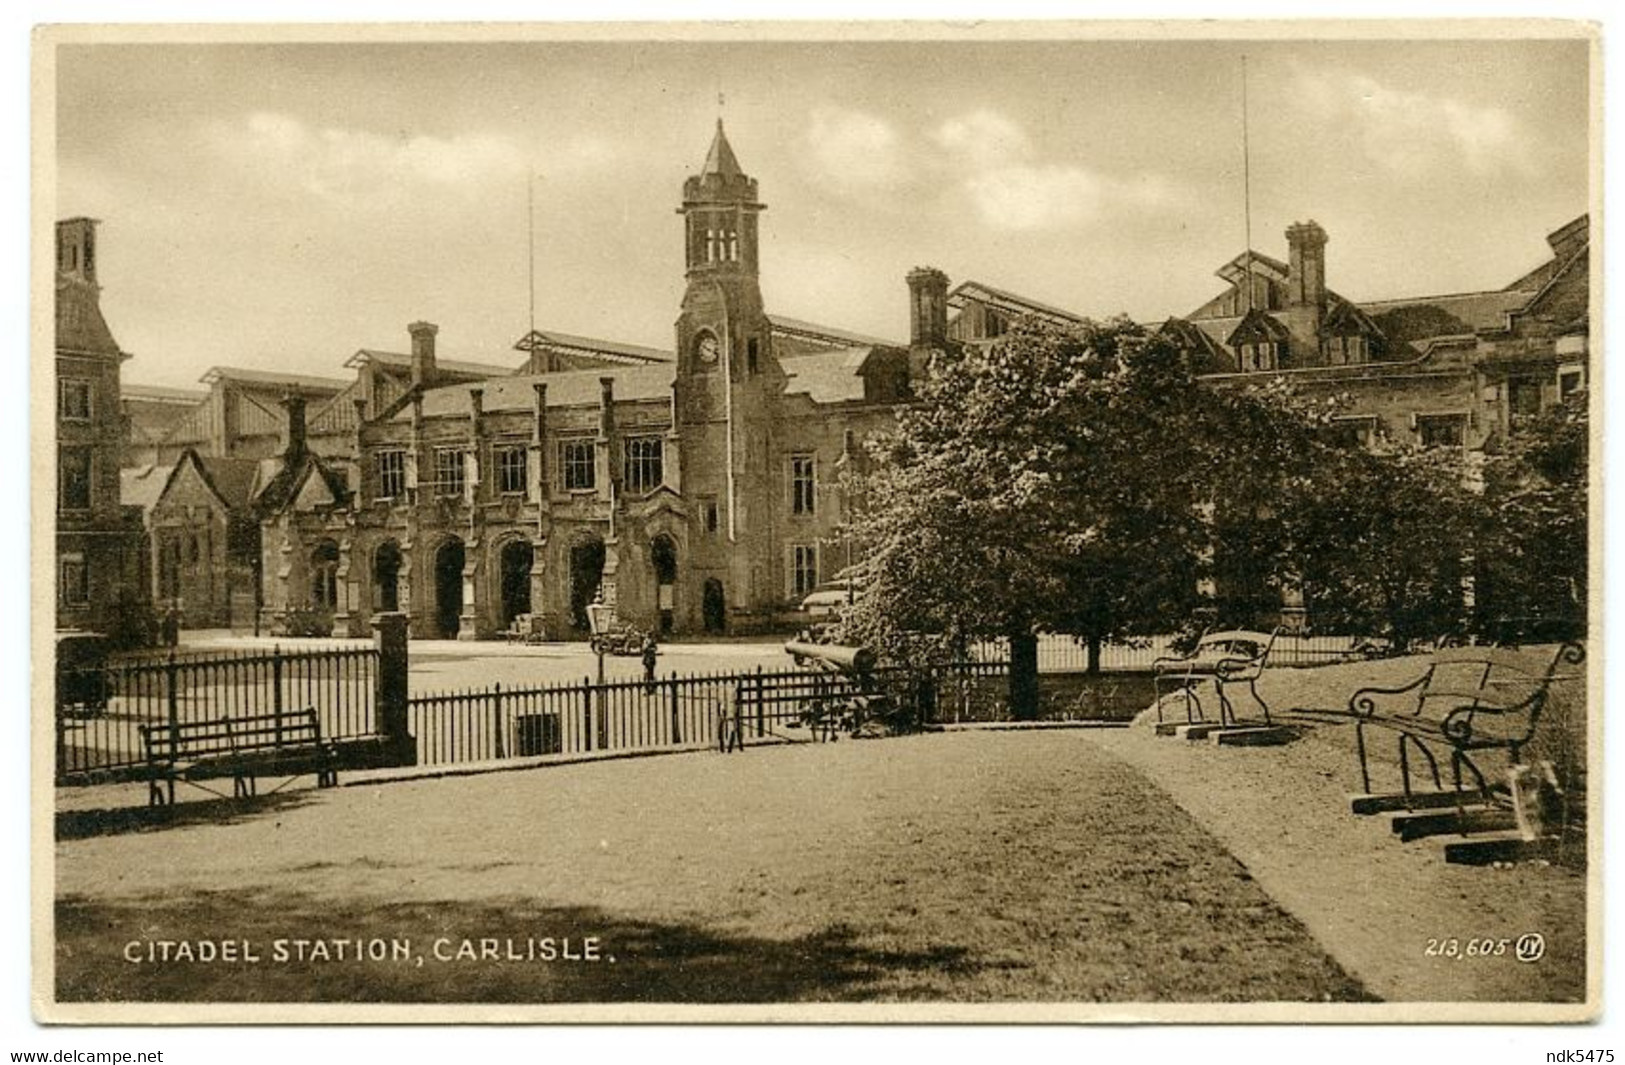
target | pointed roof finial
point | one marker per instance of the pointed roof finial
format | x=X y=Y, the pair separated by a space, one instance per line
x=720 y=159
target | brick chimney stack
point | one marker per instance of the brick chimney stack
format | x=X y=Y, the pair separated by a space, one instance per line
x=423 y=369
x=293 y=441
x=928 y=307
x=1306 y=264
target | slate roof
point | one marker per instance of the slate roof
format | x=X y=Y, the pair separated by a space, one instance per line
x=304 y=382
x=592 y=345
x=796 y=327
x=80 y=326
x=1258 y=325
x=569 y=388
x=471 y=370
x=828 y=376
x=721 y=159
x=968 y=291
x=232 y=479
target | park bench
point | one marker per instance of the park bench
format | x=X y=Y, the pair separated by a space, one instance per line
x=1231 y=657
x=1473 y=699
x=286 y=743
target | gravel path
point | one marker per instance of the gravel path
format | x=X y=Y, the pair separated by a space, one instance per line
x=1376 y=903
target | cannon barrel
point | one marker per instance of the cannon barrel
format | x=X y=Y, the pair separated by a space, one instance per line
x=846 y=659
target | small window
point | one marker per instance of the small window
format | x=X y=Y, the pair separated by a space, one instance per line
x=391 y=474
x=1523 y=396
x=448 y=471
x=753 y=355
x=1570 y=382
x=644 y=471
x=1441 y=430
x=75 y=582
x=73 y=479
x=511 y=468
x=803 y=486
x=712 y=515
x=73 y=399
x=1354 y=432
x=804 y=565
x=578 y=465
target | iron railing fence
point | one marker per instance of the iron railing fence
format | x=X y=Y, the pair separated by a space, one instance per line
x=100 y=710
x=496 y=723
x=1059 y=653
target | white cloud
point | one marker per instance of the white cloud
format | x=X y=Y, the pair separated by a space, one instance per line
x=1057 y=196
x=358 y=167
x=984 y=138
x=854 y=151
x=1412 y=134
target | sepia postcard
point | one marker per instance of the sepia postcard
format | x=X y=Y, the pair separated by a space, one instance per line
x=817 y=522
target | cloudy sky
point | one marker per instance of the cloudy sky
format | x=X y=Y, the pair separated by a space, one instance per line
x=283 y=206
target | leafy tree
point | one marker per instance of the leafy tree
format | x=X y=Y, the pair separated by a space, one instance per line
x=1065 y=480
x=1533 y=550
x=1379 y=541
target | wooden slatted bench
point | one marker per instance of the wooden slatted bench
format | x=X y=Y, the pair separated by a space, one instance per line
x=1472 y=699
x=287 y=743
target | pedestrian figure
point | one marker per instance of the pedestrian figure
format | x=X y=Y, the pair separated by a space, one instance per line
x=650 y=654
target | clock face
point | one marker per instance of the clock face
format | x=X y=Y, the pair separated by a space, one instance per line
x=706 y=348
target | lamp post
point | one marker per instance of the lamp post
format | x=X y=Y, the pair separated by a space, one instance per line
x=598 y=614
x=598 y=621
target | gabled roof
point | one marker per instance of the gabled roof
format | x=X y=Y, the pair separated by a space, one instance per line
x=279 y=481
x=783 y=325
x=1257 y=326
x=1344 y=319
x=1207 y=349
x=828 y=376
x=1259 y=263
x=304 y=382
x=609 y=349
x=976 y=291
x=398 y=360
x=159 y=394
x=80 y=326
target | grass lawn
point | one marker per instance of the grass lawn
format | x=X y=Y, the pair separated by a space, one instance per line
x=995 y=867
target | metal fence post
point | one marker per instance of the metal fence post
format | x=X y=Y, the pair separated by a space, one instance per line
x=761 y=711
x=496 y=719
x=676 y=722
x=173 y=710
x=586 y=691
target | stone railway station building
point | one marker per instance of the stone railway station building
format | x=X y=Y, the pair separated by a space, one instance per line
x=698 y=490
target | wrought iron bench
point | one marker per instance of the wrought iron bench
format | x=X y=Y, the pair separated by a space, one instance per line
x=287 y=743
x=1474 y=699
x=1234 y=656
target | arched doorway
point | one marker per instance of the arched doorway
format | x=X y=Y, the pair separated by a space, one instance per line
x=586 y=574
x=386 y=576
x=663 y=554
x=514 y=567
x=448 y=587
x=324 y=576
x=714 y=606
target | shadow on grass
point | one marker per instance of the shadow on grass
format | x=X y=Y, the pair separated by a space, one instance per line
x=86 y=824
x=653 y=962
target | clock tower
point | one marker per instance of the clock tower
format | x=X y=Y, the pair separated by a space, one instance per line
x=726 y=378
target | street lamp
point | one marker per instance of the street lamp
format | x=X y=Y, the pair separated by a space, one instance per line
x=598 y=613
